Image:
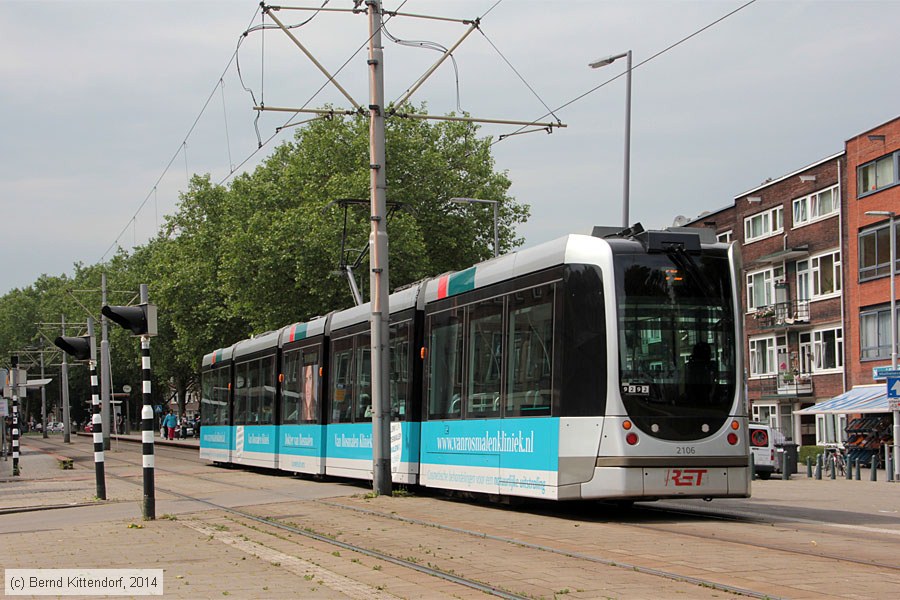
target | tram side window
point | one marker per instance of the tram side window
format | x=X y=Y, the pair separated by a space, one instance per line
x=309 y=387
x=485 y=358
x=363 y=378
x=253 y=392
x=267 y=384
x=241 y=393
x=399 y=352
x=445 y=365
x=583 y=376
x=291 y=388
x=214 y=397
x=529 y=388
x=341 y=386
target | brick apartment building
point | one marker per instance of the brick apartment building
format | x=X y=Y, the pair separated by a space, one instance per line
x=816 y=283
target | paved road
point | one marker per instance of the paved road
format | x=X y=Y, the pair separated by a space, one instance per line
x=798 y=539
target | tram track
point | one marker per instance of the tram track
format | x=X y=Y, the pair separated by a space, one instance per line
x=267 y=517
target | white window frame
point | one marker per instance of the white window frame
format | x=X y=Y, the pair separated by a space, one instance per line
x=771 y=223
x=766 y=349
x=770 y=276
x=808 y=209
x=815 y=275
x=726 y=237
x=818 y=350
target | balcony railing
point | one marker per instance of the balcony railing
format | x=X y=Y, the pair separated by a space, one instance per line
x=782 y=314
x=787 y=384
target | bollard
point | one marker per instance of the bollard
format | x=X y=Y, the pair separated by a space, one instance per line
x=874 y=476
x=856 y=469
x=785 y=470
x=818 y=466
x=848 y=468
x=809 y=466
x=833 y=465
x=752 y=468
x=890 y=468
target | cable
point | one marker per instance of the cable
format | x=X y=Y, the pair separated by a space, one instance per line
x=175 y=155
x=428 y=46
x=643 y=62
x=519 y=75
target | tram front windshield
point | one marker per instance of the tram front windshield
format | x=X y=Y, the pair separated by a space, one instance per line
x=676 y=342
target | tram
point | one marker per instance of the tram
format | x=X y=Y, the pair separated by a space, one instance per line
x=590 y=367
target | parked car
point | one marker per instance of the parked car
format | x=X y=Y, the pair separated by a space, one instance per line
x=762 y=445
x=55 y=427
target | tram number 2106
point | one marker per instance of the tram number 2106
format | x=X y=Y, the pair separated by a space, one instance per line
x=636 y=389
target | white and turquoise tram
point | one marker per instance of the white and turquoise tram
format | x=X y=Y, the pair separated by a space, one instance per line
x=587 y=367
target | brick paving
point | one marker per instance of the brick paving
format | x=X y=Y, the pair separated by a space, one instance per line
x=206 y=553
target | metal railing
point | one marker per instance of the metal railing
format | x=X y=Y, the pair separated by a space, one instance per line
x=782 y=314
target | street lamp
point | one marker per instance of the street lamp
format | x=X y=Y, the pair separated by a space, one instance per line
x=891 y=215
x=496 y=215
x=602 y=62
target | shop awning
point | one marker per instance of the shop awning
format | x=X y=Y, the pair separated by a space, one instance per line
x=863 y=399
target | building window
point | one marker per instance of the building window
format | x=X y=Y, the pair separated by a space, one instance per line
x=764 y=224
x=762 y=357
x=816 y=206
x=876 y=175
x=726 y=237
x=875 y=333
x=761 y=287
x=828 y=349
x=826 y=274
x=875 y=251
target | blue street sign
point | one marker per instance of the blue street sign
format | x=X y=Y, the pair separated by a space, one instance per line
x=893 y=387
x=879 y=373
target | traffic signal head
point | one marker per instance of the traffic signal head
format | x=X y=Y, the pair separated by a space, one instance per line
x=78 y=347
x=141 y=320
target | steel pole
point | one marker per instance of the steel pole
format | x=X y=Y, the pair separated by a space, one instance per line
x=104 y=368
x=96 y=417
x=378 y=278
x=496 y=229
x=894 y=343
x=14 y=387
x=64 y=386
x=627 y=183
x=148 y=507
x=43 y=396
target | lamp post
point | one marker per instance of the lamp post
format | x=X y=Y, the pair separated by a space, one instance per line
x=891 y=215
x=602 y=62
x=496 y=216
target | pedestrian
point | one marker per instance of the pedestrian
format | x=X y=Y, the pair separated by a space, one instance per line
x=169 y=424
x=182 y=425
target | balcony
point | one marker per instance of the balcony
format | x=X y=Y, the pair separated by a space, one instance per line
x=787 y=385
x=782 y=315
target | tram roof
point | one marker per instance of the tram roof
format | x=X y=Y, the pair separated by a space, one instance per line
x=573 y=248
x=217 y=356
x=301 y=331
x=265 y=341
x=398 y=302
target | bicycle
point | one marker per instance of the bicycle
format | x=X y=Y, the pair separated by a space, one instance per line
x=838 y=463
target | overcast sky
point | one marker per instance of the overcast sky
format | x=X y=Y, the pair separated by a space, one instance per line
x=97 y=97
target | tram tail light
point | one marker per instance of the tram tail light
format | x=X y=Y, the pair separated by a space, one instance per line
x=735 y=425
x=626 y=425
x=631 y=438
x=732 y=438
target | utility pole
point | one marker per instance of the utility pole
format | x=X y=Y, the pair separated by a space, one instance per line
x=43 y=397
x=96 y=419
x=378 y=278
x=67 y=419
x=104 y=369
x=14 y=386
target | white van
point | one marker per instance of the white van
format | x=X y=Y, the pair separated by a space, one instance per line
x=762 y=445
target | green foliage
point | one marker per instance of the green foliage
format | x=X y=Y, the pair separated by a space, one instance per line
x=805 y=452
x=264 y=251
